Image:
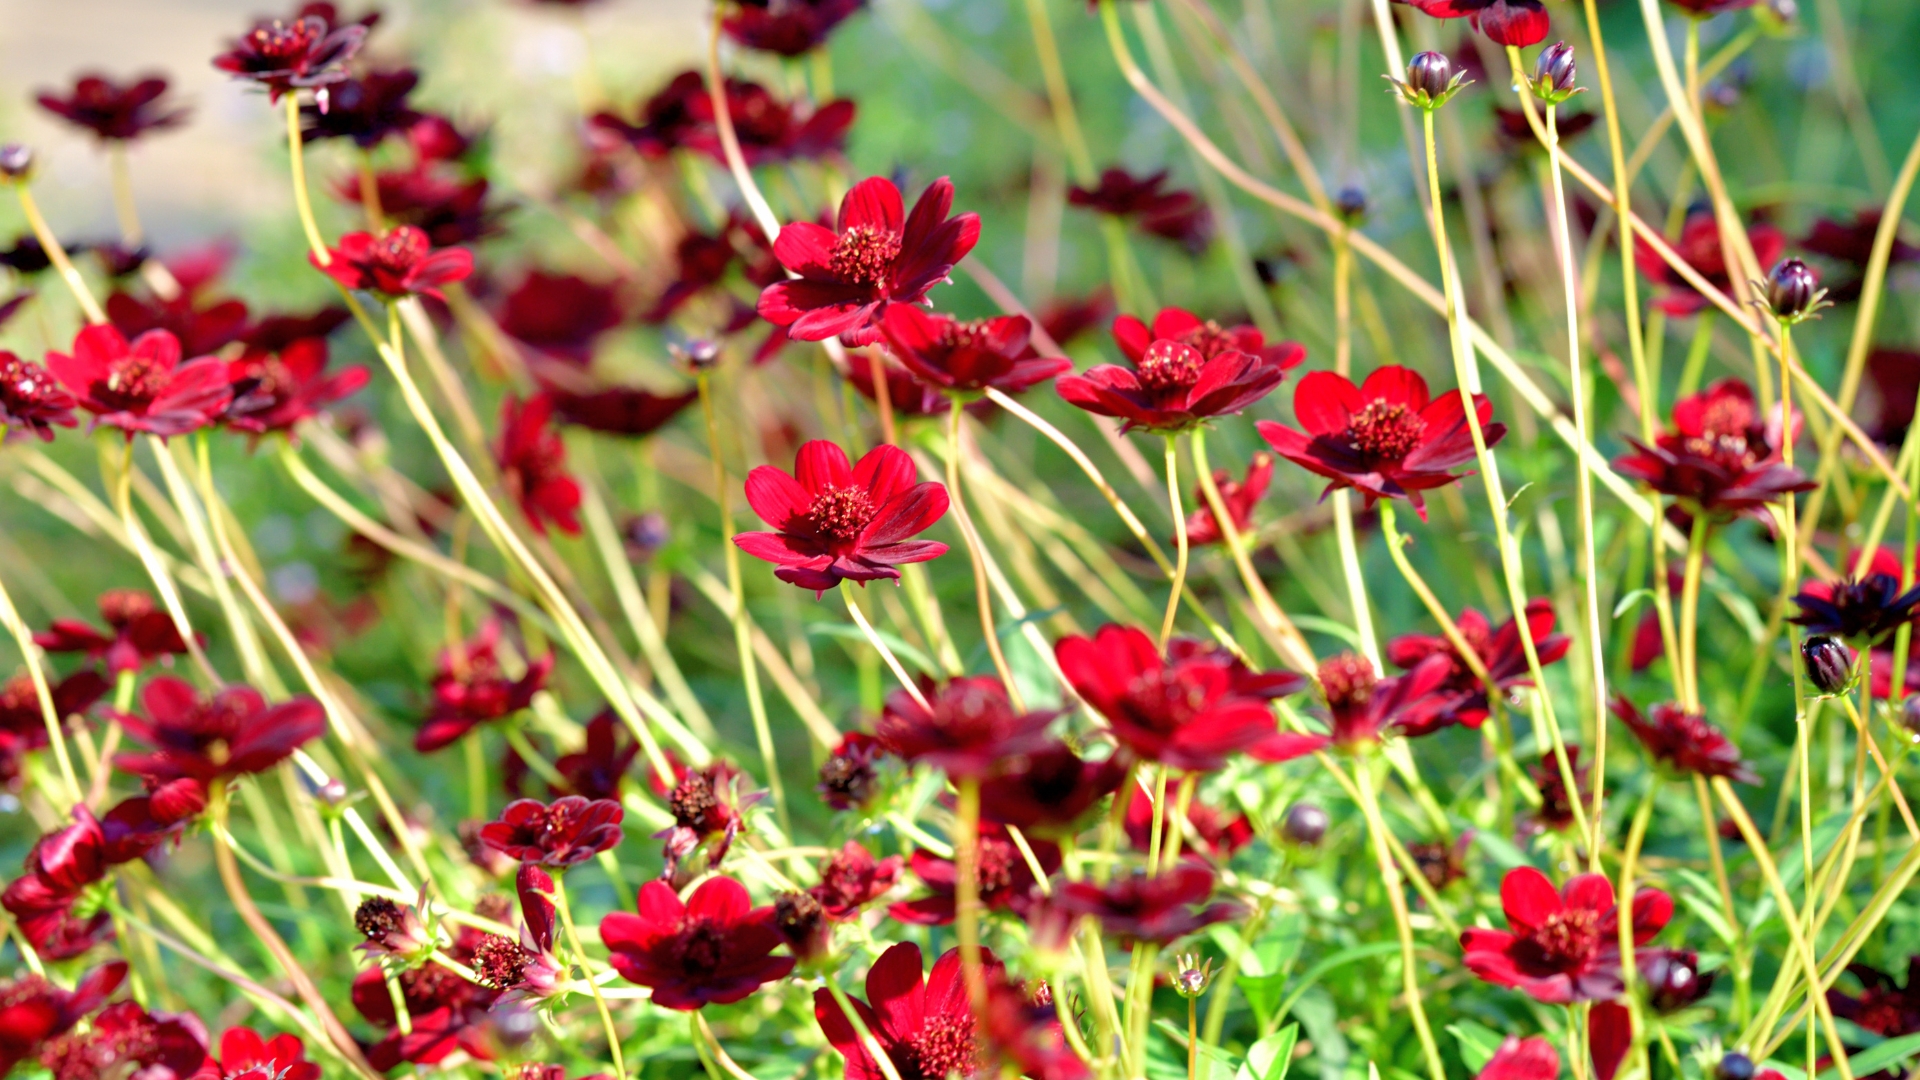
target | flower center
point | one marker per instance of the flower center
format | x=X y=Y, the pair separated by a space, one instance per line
x=1347 y=681
x=1211 y=339
x=499 y=963
x=692 y=801
x=944 y=1046
x=282 y=41
x=841 y=512
x=702 y=947
x=1170 y=365
x=376 y=917
x=138 y=379
x=1568 y=938
x=1161 y=701
x=121 y=606
x=400 y=250
x=996 y=867
x=1385 y=430
x=864 y=255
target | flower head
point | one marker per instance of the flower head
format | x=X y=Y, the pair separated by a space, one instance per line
x=714 y=949
x=1721 y=457
x=615 y=410
x=1239 y=497
x=30 y=400
x=1363 y=708
x=126 y=1038
x=366 y=109
x=967 y=727
x=448 y=205
x=245 y=1055
x=142 y=386
x=1793 y=291
x=1006 y=880
x=769 y=131
x=968 y=357
x=788 y=27
x=391 y=929
x=286 y=55
x=141 y=633
x=569 y=830
x=1520 y=23
x=232 y=733
x=1864 y=610
x=1674 y=980
x=1432 y=78
x=115 y=111
x=907 y=393
x=852 y=878
x=708 y=811
x=33 y=1010
x=1883 y=1007
x=533 y=465
x=849 y=777
x=876 y=255
x=924 y=1024
x=1501 y=652
x=1684 y=741
x=448 y=1013
x=1561 y=946
x=1178 y=216
x=1386 y=438
x=1219 y=834
x=1048 y=788
x=273 y=390
x=23 y=728
x=595 y=770
x=560 y=315
x=470 y=688
x=1184 y=372
x=401 y=262
x=61 y=865
x=1158 y=909
x=1699 y=247
x=1556 y=802
x=836 y=521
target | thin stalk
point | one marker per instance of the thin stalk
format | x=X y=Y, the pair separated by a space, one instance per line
x=303 y=203
x=1179 y=583
x=1356 y=581
x=966 y=888
x=57 y=254
x=586 y=973
x=982 y=594
x=1742 y=958
x=1689 y=660
x=867 y=1041
x=125 y=212
x=886 y=654
x=31 y=655
x=1292 y=646
x=1397 y=899
x=121 y=485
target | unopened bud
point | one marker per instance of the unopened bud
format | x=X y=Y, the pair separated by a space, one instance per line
x=698 y=354
x=1829 y=664
x=16 y=161
x=1431 y=80
x=1305 y=824
x=1191 y=975
x=1350 y=203
x=1553 y=74
x=1734 y=1066
x=1793 y=290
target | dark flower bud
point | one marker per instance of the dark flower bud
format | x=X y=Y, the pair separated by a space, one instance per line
x=1431 y=80
x=1191 y=975
x=1910 y=715
x=1793 y=290
x=1673 y=978
x=1350 y=203
x=803 y=922
x=1734 y=1066
x=16 y=161
x=1553 y=74
x=698 y=354
x=1304 y=824
x=646 y=534
x=1829 y=664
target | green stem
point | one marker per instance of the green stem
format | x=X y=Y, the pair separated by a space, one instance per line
x=303 y=203
x=1180 y=542
x=982 y=594
x=580 y=957
x=1397 y=899
x=966 y=865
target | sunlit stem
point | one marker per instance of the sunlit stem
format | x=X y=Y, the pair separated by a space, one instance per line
x=882 y=394
x=1356 y=580
x=49 y=713
x=125 y=212
x=1179 y=582
x=1397 y=899
x=983 y=595
x=57 y=254
x=302 y=201
x=1284 y=634
x=580 y=957
x=1742 y=960
x=966 y=889
x=122 y=486
x=1690 y=611
x=873 y=638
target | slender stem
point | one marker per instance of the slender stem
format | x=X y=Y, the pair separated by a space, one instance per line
x=867 y=1041
x=303 y=203
x=886 y=654
x=42 y=693
x=727 y=1064
x=1356 y=581
x=57 y=254
x=1290 y=643
x=1180 y=542
x=1176 y=816
x=882 y=394
x=586 y=973
x=966 y=888
x=982 y=595
x=1397 y=899
x=1623 y=896
x=1742 y=961
x=125 y=212
x=1689 y=660
x=1193 y=1038
x=122 y=487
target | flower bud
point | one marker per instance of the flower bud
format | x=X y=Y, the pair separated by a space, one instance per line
x=697 y=355
x=1191 y=975
x=16 y=161
x=1304 y=824
x=1431 y=80
x=1829 y=664
x=1734 y=1066
x=1910 y=715
x=803 y=922
x=1792 y=290
x=1673 y=978
x=1350 y=203
x=645 y=534
x=1553 y=74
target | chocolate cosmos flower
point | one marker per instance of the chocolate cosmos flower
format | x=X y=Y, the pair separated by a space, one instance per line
x=787 y=27
x=836 y=521
x=287 y=55
x=366 y=109
x=1522 y=1059
x=925 y=1026
x=400 y=263
x=1684 y=741
x=1699 y=247
x=1508 y=22
x=114 y=111
x=559 y=315
x=968 y=357
x=681 y=117
x=141 y=633
x=1007 y=882
x=1501 y=652
x=967 y=728
x=30 y=401
x=1185 y=372
x=570 y=830
x=714 y=949
x=33 y=1010
x=142 y=387
x=852 y=878
x=1178 y=216
x=1363 y=708
x=533 y=465
x=1561 y=946
x=1158 y=909
x=470 y=689
x=1239 y=497
x=232 y=733
x=273 y=391
x=1047 y=789
x=1865 y=610
x=1720 y=458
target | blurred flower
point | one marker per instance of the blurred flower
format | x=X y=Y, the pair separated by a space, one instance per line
x=1707 y=9
x=769 y=131
x=565 y=832
x=714 y=949
x=23 y=728
x=1674 y=979
x=142 y=387
x=1219 y=835
x=1863 y=610
x=616 y=410
x=929 y=1031
x=1520 y=23
x=233 y=733
x=1561 y=946
x=560 y=315
x=1305 y=824
x=61 y=865
x=1386 y=438
x=852 y=878
x=203 y=323
x=1684 y=741
x=803 y=923
x=1203 y=525
x=399 y=263
x=1047 y=789
x=139 y=825
x=1065 y=318
x=286 y=55
x=595 y=770
x=848 y=778
x=1159 y=909
x=1699 y=247
x=1555 y=812
x=127 y=1039
x=907 y=394
x=836 y=521
x=448 y=1013
x=1364 y=708
x=967 y=727
x=1881 y=1007
x=114 y=111
x=708 y=812
x=274 y=333
x=366 y=109
x=533 y=465
x=1023 y=1032
x=702 y=260
x=274 y=391
x=469 y=689
x=33 y=1010
x=1522 y=1059
x=450 y=207
x=141 y=633
x=1720 y=458
x=1178 y=216
x=1850 y=244
x=30 y=401
x=1515 y=134
x=26 y=257
x=1501 y=652
x=968 y=357
x=1442 y=863
x=1006 y=881
x=787 y=27
x=1184 y=372
x=435 y=138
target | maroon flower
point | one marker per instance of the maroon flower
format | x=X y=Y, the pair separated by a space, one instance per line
x=139 y=825
x=1563 y=946
x=1220 y=835
x=567 y=831
x=1508 y=22
x=60 y=866
x=533 y=465
x=1721 y=458
x=1006 y=880
x=1699 y=247
x=925 y=1027
x=559 y=314
x=835 y=521
x=1864 y=610
x=1363 y=708
x=1556 y=802
x=1850 y=244
x=849 y=778
x=1047 y=789
x=1178 y=216
x=1887 y=396
x=203 y=322
x=708 y=812
x=275 y=332
x=906 y=393
x=400 y=263
x=286 y=55
x=1501 y=652
x=245 y=1055
x=126 y=1038
x=1158 y=909
x=1184 y=372
x=968 y=357
x=365 y=109
x=33 y=1010
x=1514 y=131
x=1187 y=710
x=450 y=207
x=30 y=400
x=702 y=261
x=1386 y=438
x=1442 y=863
x=770 y=131
x=595 y=770
x=275 y=390
x=874 y=256
x=615 y=410
x=967 y=728
x=470 y=689
x=141 y=633
x=788 y=27
x=1684 y=741
x=1023 y=1032
x=142 y=386
x=1203 y=526
x=1886 y=1009
x=852 y=878
x=1065 y=318
x=713 y=950
x=113 y=111
x=448 y=1013
x=1522 y=1059
x=23 y=728
x=232 y=733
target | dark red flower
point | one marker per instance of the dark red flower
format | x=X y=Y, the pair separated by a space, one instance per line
x=702 y=261
x=1363 y=708
x=286 y=55
x=1203 y=526
x=114 y=111
x=925 y=1026
x=233 y=733
x=836 y=521
x=788 y=27
x=595 y=770
x=1522 y=1059
x=470 y=689
x=142 y=386
x=203 y=323
x=33 y=1010
x=1184 y=372
x=1684 y=741
x=713 y=950
x=275 y=390
x=127 y=1039
x=1515 y=133
x=967 y=727
x=1721 y=457
x=875 y=255
x=449 y=206
x=1561 y=947
x=770 y=131
x=1864 y=610
x=1386 y=438
x=60 y=866
x=907 y=395
x=559 y=314
x=968 y=357
x=1178 y=216
x=139 y=825
x=400 y=263
x=366 y=109
x=1023 y=1032
x=1047 y=789
x=708 y=811
x=1065 y=318
x=23 y=727
x=569 y=830
x=1850 y=243
x=1006 y=880
x=30 y=400
x=435 y=138
x=613 y=410
x=1881 y=1007
x=852 y=878
x=1157 y=909
x=849 y=777
x=275 y=332
x=1442 y=863
x=448 y=1013
x=141 y=633
x=1699 y=247
x=1888 y=394
x=1187 y=710
x=1507 y=22
x=1555 y=812
x=1501 y=652
x=533 y=465
x=1674 y=980
x=1219 y=835
x=245 y=1055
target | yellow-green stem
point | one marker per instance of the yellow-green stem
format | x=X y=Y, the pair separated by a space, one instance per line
x=1403 y=926
x=580 y=957
x=1179 y=582
x=982 y=595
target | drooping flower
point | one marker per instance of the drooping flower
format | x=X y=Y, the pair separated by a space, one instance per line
x=1520 y=23
x=141 y=824
x=850 y=777
x=1007 y=882
x=232 y=733
x=288 y=55
x=714 y=949
x=365 y=109
x=925 y=1026
x=245 y=1055
x=1674 y=980
x=1864 y=610
x=23 y=728
x=30 y=399
x=143 y=386
x=1159 y=909
x=141 y=633
x=876 y=255
x=1387 y=438
x=1184 y=372
x=1721 y=457
x=769 y=130
x=836 y=521
x=33 y=1010
x=1219 y=834
x=967 y=727
x=401 y=262
x=1684 y=741
x=968 y=357
x=1522 y=1059
x=1699 y=247
x=1239 y=497
x=569 y=830
x=112 y=110
x=1178 y=216
x=470 y=688
x=1047 y=789
x=1501 y=652
x=560 y=315
x=852 y=878
x=1363 y=708
x=275 y=390
x=1561 y=946
x=788 y=27
x=533 y=465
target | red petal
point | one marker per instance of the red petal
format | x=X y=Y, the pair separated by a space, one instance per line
x=1528 y=898
x=1324 y=403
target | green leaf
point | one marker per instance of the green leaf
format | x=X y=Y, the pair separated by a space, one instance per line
x=1628 y=602
x=1271 y=1057
x=1337 y=960
x=1875 y=1058
x=1708 y=912
x=1263 y=994
x=1347 y=634
x=1478 y=1043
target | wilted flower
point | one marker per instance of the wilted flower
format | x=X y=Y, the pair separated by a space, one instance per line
x=1158 y=909
x=567 y=831
x=708 y=812
x=232 y=733
x=967 y=727
x=712 y=950
x=114 y=111
x=930 y=1032
x=1684 y=741
x=287 y=55
x=399 y=263
x=1440 y=862
x=802 y=921
x=143 y=386
x=836 y=521
x=1561 y=946
x=533 y=465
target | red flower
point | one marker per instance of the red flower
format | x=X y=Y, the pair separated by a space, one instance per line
x=126 y=1038
x=448 y=205
x=1179 y=325
x=30 y=400
x=449 y=1013
x=60 y=866
x=202 y=322
x=874 y=256
x=244 y=1055
x=1515 y=132
x=1203 y=527
x=713 y=950
x=1699 y=247
x=137 y=826
x=835 y=521
x=1522 y=1059
x=1159 y=909
x=1187 y=710
x=366 y=109
x=285 y=55
x=1184 y=372
x=275 y=332
x=1386 y=438
x=1684 y=741
x=1023 y=1032
x=852 y=878
x=703 y=259
x=906 y=393
x=1049 y=788
x=1864 y=610
x=470 y=689
x=1674 y=979
x=788 y=27
x=925 y=1027
x=708 y=812
x=400 y=263
x=233 y=733
x=1850 y=243
x=1508 y=22
x=141 y=633
x=1065 y=318
x=275 y=390
x=1721 y=457
x=1442 y=863
x=595 y=770
x=568 y=831
x=114 y=112
x=533 y=465
x=23 y=728
x=968 y=357
x=1564 y=946
x=1881 y=1007
x=1178 y=216
x=681 y=117
x=1556 y=802
x=849 y=778
x=560 y=314
x=33 y=1010
x=617 y=410
x=142 y=386
x=1006 y=881
x=1364 y=708
x=1220 y=835
x=1501 y=652
x=967 y=728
